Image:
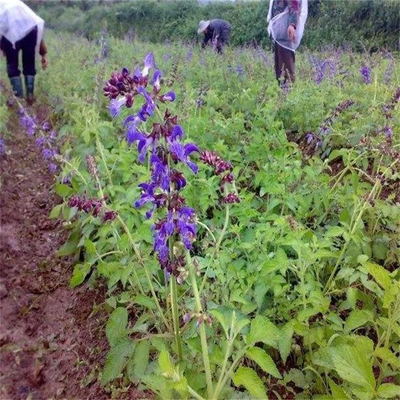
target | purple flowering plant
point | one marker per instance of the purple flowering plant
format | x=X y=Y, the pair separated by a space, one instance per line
x=166 y=153
x=160 y=141
x=45 y=137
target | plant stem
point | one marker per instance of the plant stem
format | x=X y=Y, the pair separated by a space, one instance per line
x=223 y=232
x=203 y=337
x=230 y=371
x=225 y=362
x=175 y=316
x=194 y=393
x=59 y=158
x=143 y=265
x=218 y=243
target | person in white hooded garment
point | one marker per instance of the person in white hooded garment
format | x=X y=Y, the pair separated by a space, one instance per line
x=21 y=30
x=286 y=27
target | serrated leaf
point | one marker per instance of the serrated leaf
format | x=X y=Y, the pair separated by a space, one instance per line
x=247 y=377
x=389 y=391
x=264 y=361
x=79 y=274
x=116 y=361
x=263 y=330
x=221 y=318
x=285 y=341
x=116 y=325
x=138 y=363
x=353 y=365
x=380 y=274
x=357 y=318
x=386 y=355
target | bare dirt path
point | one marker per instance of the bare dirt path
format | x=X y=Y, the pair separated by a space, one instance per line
x=52 y=342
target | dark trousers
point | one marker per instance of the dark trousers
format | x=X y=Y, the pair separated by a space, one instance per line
x=222 y=40
x=284 y=64
x=27 y=44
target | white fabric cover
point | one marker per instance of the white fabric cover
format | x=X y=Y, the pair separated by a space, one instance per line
x=278 y=25
x=17 y=20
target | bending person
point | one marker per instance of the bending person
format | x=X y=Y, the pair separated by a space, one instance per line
x=286 y=26
x=21 y=29
x=217 y=31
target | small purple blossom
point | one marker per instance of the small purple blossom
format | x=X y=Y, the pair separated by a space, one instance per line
x=169 y=96
x=2 y=147
x=115 y=106
x=365 y=72
x=148 y=64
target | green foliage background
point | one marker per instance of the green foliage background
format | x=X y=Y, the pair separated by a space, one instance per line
x=360 y=24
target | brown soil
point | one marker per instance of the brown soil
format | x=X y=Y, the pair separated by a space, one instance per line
x=52 y=341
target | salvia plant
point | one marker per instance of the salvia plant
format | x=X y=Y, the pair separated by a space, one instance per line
x=176 y=224
x=45 y=137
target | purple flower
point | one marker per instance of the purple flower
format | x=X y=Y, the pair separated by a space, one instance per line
x=169 y=96
x=387 y=130
x=115 y=106
x=48 y=153
x=160 y=172
x=182 y=152
x=28 y=124
x=365 y=72
x=177 y=133
x=53 y=168
x=148 y=64
x=156 y=82
x=2 y=147
x=40 y=141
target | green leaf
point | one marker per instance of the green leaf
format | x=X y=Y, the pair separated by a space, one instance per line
x=137 y=365
x=264 y=361
x=389 y=390
x=357 y=318
x=285 y=341
x=55 y=212
x=145 y=301
x=263 y=330
x=246 y=377
x=79 y=274
x=116 y=325
x=380 y=274
x=69 y=247
x=386 y=355
x=165 y=364
x=62 y=190
x=337 y=391
x=353 y=365
x=116 y=361
x=334 y=231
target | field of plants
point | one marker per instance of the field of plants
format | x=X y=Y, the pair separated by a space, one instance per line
x=248 y=236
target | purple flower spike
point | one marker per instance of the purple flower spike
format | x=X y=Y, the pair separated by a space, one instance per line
x=365 y=72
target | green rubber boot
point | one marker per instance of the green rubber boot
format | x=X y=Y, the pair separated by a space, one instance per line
x=29 y=87
x=16 y=84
